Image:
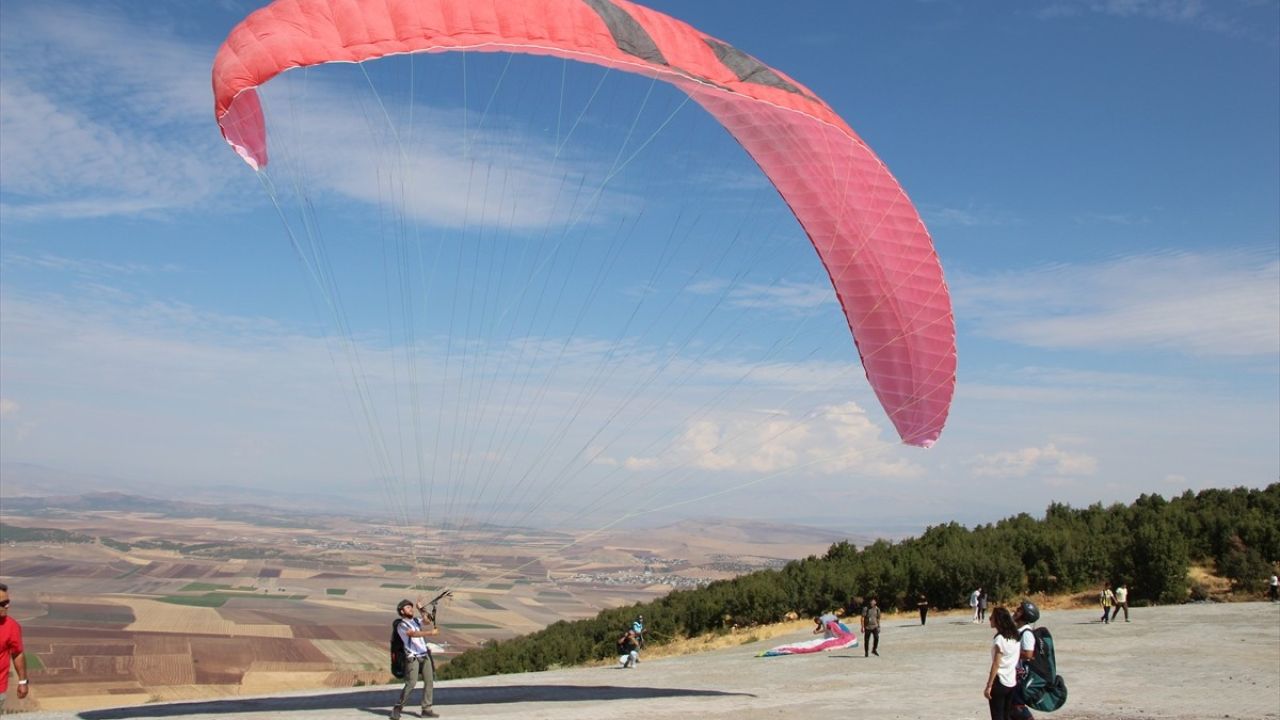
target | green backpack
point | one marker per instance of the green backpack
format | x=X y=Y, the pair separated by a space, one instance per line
x=1042 y=687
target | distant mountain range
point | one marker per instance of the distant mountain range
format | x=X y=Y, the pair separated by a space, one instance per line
x=123 y=502
x=30 y=489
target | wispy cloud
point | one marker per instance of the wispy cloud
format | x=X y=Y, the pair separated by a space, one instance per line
x=1225 y=304
x=1222 y=17
x=966 y=217
x=84 y=266
x=330 y=135
x=1047 y=460
x=100 y=116
x=1122 y=219
x=781 y=295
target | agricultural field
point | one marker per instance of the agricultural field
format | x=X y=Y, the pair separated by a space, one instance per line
x=130 y=607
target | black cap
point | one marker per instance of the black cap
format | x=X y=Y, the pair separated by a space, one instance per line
x=400 y=605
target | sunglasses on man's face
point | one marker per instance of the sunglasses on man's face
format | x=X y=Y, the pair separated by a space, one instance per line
x=4 y=603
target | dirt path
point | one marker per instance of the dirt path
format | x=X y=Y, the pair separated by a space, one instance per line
x=1172 y=663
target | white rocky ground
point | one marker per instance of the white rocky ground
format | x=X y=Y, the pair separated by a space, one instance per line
x=1192 y=661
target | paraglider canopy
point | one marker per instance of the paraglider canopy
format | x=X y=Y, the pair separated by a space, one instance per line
x=872 y=242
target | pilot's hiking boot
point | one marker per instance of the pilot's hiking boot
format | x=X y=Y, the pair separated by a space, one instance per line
x=429 y=713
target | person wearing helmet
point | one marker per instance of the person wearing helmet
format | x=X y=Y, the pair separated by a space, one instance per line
x=1026 y=615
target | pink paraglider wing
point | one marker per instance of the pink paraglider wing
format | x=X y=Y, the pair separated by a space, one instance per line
x=870 y=238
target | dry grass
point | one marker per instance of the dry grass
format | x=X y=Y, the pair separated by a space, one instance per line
x=1218 y=587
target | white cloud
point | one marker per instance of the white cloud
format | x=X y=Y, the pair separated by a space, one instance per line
x=832 y=440
x=333 y=137
x=100 y=116
x=8 y=407
x=1200 y=304
x=1048 y=460
x=159 y=391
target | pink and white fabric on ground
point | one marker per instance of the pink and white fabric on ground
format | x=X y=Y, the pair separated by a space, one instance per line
x=837 y=637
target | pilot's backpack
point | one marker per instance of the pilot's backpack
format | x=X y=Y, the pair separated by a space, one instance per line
x=397 y=650
x=1042 y=687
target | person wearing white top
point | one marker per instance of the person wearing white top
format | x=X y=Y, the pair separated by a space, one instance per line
x=1122 y=602
x=1002 y=680
x=418 y=662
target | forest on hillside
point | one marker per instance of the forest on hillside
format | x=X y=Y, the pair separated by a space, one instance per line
x=1148 y=545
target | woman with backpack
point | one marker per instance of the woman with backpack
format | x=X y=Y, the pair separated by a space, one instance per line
x=1002 y=680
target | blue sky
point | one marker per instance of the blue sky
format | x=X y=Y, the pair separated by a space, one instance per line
x=1102 y=181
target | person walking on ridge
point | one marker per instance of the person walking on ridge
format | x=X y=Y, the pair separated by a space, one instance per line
x=1108 y=599
x=871 y=629
x=923 y=604
x=1122 y=602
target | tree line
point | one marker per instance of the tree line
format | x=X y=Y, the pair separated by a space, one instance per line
x=1149 y=545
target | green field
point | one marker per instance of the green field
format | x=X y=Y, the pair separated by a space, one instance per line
x=397 y=586
x=203 y=587
x=397 y=567
x=468 y=626
x=487 y=604
x=335 y=591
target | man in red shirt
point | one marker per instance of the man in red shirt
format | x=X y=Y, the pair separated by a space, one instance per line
x=10 y=647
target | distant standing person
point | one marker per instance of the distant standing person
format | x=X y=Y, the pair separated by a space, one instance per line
x=1107 y=598
x=11 y=648
x=1275 y=588
x=973 y=603
x=418 y=662
x=1002 y=679
x=923 y=604
x=1122 y=602
x=982 y=607
x=871 y=629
